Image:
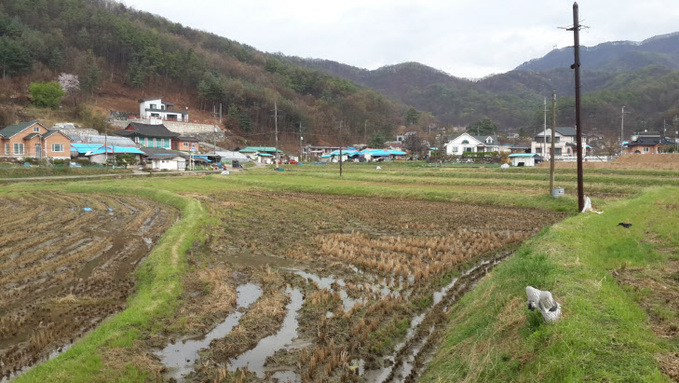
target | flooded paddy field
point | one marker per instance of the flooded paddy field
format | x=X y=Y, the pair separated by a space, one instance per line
x=304 y=287
x=66 y=264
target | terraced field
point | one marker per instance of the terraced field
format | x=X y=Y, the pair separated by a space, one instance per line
x=66 y=263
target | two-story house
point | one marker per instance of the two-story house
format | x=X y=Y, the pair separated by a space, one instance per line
x=565 y=142
x=33 y=139
x=149 y=135
x=157 y=108
x=465 y=142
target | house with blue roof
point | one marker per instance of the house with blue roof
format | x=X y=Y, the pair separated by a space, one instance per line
x=261 y=154
x=102 y=154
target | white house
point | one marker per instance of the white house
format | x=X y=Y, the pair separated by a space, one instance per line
x=157 y=108
x=565 y=142
x=465 y=142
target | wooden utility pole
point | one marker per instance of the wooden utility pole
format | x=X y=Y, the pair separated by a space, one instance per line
x=551 y=152
x=578 y=122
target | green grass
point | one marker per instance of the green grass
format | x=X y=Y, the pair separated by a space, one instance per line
x=603 y=334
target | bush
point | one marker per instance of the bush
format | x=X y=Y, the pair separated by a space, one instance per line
x=46 y=94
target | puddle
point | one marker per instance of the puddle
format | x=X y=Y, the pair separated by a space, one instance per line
x=180 y=357
x=254 y=359
x=398 y=371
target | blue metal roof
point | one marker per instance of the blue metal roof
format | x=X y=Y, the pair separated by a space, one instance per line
x=84 y=148
x=376 y=152
x=397 y=152
x=114 y=150
x=524 y=155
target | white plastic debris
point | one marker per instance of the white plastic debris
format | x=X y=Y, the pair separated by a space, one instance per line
x=543 y=301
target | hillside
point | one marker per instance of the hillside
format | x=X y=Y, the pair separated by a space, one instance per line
x=121 y=55
x=641 y=76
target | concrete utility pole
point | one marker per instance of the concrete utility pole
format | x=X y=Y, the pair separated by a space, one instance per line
x=544 y=131
x=551 y=152
x=578 y=123
x=622 y=128
x=340 y=150
x=275 y=113
x=301 y=150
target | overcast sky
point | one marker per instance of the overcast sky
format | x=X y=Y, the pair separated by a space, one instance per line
x=465 y=38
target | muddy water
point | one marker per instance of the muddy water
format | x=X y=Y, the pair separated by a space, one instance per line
x=254 y=359
x=402 y=365
x=180 y=357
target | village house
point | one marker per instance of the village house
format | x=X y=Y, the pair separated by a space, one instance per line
x=525 y=159
x=156 y=108
x=465 y=142
x=186 y=144
x=149 y=135
x=32 y=139
x=565 y=142
x=646 y=143
x=261 y=154
x=163 y=159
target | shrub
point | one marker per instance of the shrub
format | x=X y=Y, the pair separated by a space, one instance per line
x=46 y=94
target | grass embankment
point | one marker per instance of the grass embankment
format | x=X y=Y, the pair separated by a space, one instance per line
x=16 y=171
x=102 y=355
x=603 y=334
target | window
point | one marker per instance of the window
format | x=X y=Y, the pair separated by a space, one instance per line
x=557 y=151
x=469 y=149
x=538 y=150
x=152 y=106
x=166 y=143
x=7 y=148
x=57 y=147
x=465 y=142
x=185 y=144
x=146 y=141
x=18 y=149
x=36 y=129
x=557 y=139
x=646 y=150
x=455 y=149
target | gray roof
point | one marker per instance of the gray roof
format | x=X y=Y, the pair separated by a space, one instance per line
x=12 y=130
x=146 y=130
x=160 y=153
x=567 y=131
x=483 y=139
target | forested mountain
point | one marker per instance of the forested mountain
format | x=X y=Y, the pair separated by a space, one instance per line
x=118 y=52
x=641 y=76
x=110 y=46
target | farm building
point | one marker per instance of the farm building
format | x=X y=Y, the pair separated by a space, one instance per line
x=32 y=139
x=103 y=153
x=525 y=159
x=162 y=159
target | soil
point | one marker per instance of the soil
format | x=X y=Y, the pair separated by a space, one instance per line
x=657 y=292
x=366 y=268
x=668 y=161
x=66 y=263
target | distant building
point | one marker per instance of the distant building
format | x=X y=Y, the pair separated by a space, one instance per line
x=33 y=139
x=157 y=108
x=646 y=143
x=465 y=142
x=149 y=135
x=565 y=142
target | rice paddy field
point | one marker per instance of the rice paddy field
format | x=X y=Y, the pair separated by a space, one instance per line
x=405 y=273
